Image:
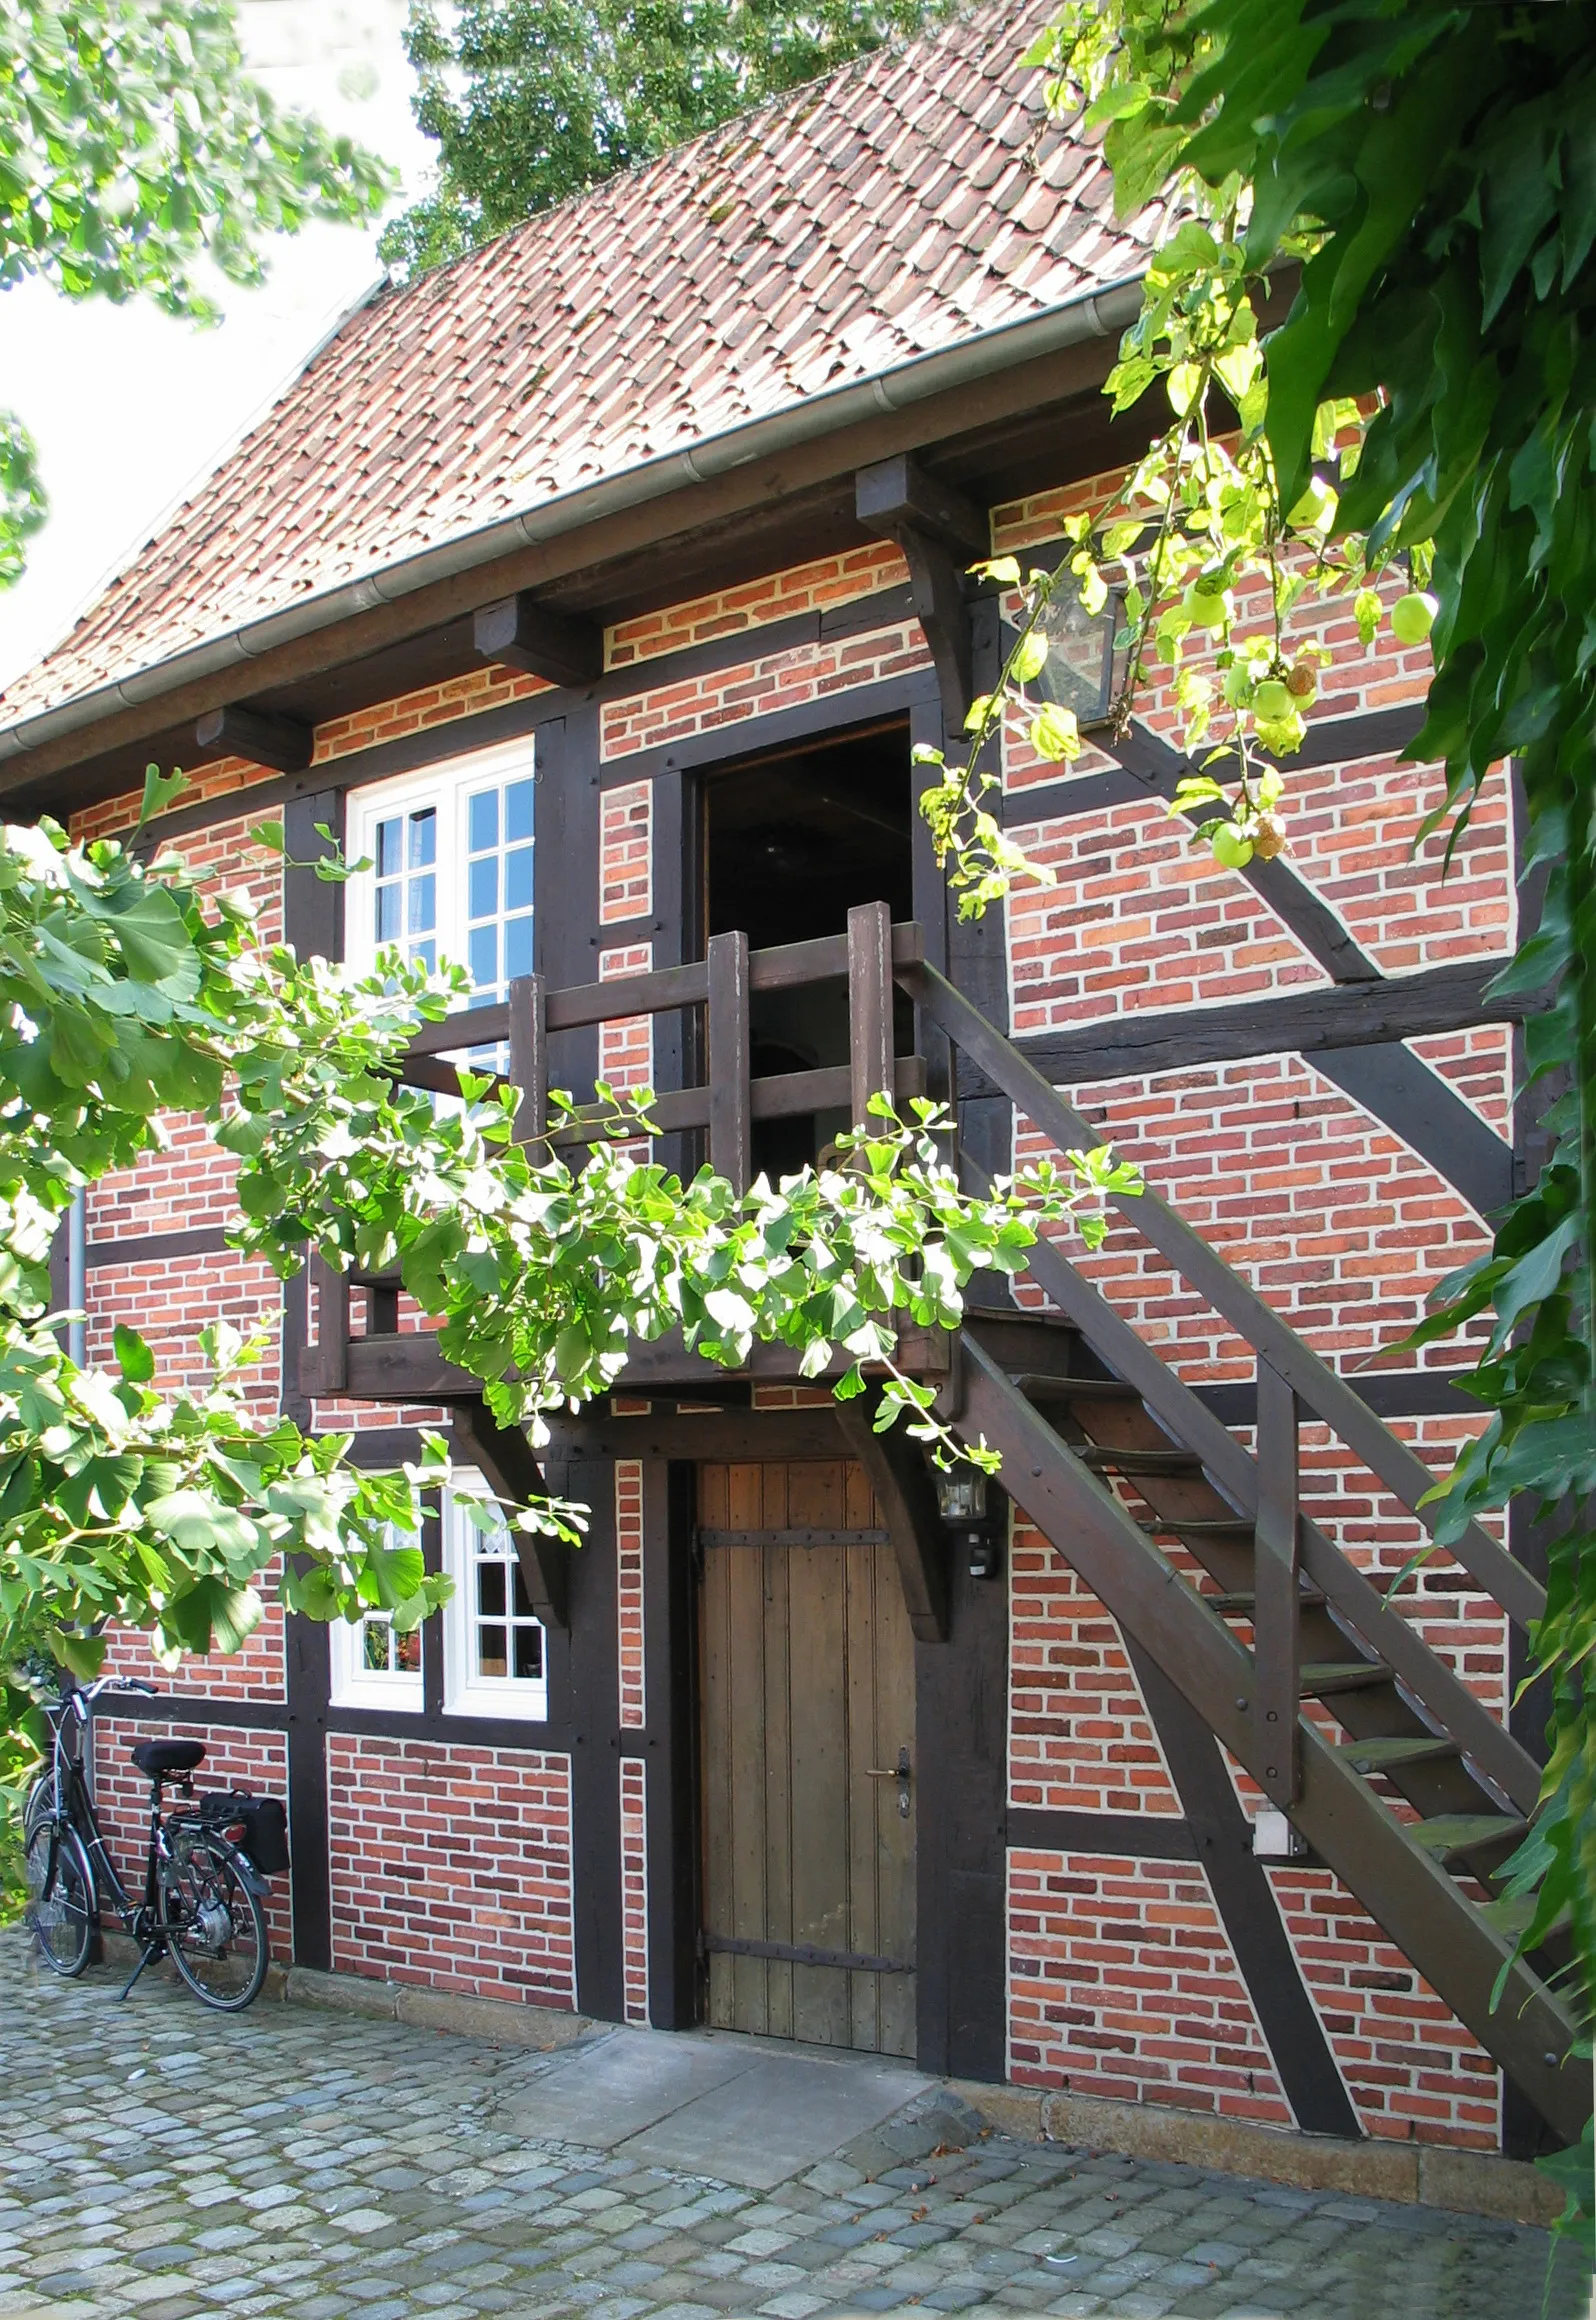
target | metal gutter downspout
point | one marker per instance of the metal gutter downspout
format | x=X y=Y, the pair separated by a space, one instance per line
x=1095 y=315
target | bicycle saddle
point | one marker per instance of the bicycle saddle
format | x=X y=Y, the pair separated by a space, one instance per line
x=160 y=1757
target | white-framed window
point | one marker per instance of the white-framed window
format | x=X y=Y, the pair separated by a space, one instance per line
x=494 y=1657
x=375 y=1667
x=451 y=853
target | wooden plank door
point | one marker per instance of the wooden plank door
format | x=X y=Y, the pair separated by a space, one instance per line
x=807 y=1710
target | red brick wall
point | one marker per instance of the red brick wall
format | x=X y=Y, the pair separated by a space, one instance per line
x=758 y=687
x=1122 y=1983
x=451 y=1866
x=234 y=1758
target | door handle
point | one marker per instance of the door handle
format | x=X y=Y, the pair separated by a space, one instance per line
x=902 y=1772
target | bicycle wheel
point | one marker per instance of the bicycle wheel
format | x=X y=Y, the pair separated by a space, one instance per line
x=214 y=1925
x=62 y=1919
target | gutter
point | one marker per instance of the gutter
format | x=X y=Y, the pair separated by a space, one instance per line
x=1098 y=314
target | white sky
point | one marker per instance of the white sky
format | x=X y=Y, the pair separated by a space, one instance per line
x=130 y=409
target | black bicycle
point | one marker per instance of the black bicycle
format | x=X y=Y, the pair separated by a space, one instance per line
x=204 y=1886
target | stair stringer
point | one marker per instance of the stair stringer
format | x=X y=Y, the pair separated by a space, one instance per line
x=1506 y=1766
x=1409 y=1896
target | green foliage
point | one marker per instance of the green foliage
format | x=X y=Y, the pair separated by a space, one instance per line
x=126 y=993
x=131 y=145
x=532 y=100
x=1425 y=175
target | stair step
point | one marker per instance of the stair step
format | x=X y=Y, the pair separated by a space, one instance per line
x=1045 y=1386
x=1107 y=1460
x=1322 y=1677
x=1391 y=1750
x=1232 y=1527
x=1453 y=1836
x=1245 y=1599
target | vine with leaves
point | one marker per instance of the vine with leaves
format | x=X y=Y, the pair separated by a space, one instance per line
x=1413 y=436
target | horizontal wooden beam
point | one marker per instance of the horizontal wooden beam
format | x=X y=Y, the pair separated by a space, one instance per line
x=283 y=743
x=1126 y=1045
x=783 y=966
x=1330 y=741
x=717 y=1436
x=526 y=635
x=1143 y=1836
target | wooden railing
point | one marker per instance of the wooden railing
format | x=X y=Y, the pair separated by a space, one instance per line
x=869 y=957
x=1294 y=1385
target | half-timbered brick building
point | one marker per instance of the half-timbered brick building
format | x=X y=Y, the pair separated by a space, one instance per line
x=598 y=588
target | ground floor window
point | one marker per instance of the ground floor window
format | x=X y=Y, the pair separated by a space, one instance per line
x=494 y=1662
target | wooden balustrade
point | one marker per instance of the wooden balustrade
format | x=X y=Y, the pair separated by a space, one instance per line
x=385 y=1365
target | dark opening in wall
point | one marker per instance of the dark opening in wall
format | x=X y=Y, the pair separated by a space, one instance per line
x=791 y=844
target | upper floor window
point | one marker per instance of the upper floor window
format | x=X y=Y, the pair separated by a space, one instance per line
x=451 y=855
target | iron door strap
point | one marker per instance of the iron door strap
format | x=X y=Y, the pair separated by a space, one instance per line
x=800 y=1953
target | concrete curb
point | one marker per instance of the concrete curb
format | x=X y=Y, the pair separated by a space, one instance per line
x=1426 y=2174
x=496 y=2020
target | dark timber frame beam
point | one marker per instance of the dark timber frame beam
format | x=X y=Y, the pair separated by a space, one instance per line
x=1347 y=1015
x=527 y=635
x=939 y=532
x=509 y=1464
x=904 y=1490
x=283 y=743
x=1392 y=1083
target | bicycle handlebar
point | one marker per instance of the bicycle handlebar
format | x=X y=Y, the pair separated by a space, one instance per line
x=86 y=1694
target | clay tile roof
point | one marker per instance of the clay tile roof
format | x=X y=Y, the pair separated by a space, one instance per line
x=911 y=201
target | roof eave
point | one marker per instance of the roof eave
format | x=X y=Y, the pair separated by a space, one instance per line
x=1094 y=314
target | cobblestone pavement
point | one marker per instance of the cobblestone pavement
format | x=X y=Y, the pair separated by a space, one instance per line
x=161 y=2163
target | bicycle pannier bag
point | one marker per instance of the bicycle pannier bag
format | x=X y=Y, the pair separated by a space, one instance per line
x=266 y=1834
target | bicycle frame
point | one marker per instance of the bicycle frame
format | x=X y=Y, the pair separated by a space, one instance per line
x=74 y=1805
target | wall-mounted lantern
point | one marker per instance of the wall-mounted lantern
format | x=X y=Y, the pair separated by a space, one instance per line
x=1081 y=671
x=962 y=1502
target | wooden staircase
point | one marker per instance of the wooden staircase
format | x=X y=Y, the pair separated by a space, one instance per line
x=1392 y=1773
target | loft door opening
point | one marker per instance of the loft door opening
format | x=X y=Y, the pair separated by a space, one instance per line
x=792 y=842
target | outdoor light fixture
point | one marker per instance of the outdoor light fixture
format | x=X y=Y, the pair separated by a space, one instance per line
x=962 y=1504
x=1080 y=671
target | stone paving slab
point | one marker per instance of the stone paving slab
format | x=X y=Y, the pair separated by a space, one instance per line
x=161 y=2163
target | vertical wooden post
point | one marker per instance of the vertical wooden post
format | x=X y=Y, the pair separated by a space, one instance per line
x=1277 y=1606
x=869 y=1006
x=332 y=1327
x=529 y=1056
x=730 y=1118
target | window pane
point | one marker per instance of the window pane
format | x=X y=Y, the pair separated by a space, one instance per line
x=482 y=887
x=388 y=849
x=491 y=1647
x=425 y=954
x=517 y=948
x=375 y=1640
x=423 y=913
x=483 y=959
x=523 y=1601
x=518 y=811
x=387 y=913
x=518 y=879
x=483 y=815
x=423 y=839
x=529 y=1651
x=490 y=1589
x=407 y=1651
